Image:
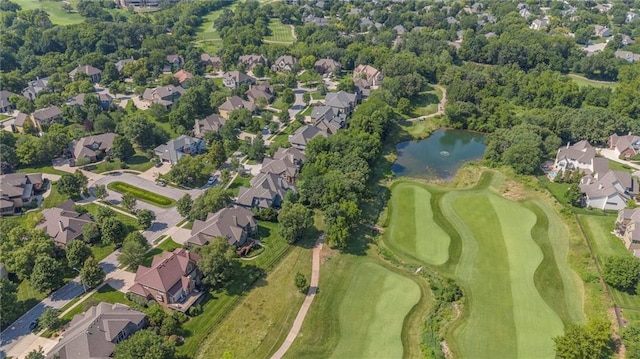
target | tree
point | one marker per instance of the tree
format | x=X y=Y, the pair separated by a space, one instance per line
x=49 y=320
x=184 y=205
x=129 y=202
x=91 y=232
x=288 y=96
x=574 y=195
x=72 y=184
x=122 y=148
x=217 y=261
x=47 y=274
x=585 y=341
x=212 y=200
x=631 y=340
x=77 y=253
x=36 y=354
x=112 y=231
x=342 y=219
x=132 y=253
x=257 y=148
x=100 y=191
x=145 y=344
x=9 y=298
x=301 y=282
x=92 y=273
x=622 y=272
x=145 y=217
x=295 y=219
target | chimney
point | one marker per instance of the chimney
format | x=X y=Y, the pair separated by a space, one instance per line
x=61 y=225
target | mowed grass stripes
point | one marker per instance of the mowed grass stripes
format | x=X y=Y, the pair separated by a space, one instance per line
x=142 y=194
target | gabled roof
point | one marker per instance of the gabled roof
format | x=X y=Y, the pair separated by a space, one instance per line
x=83 y=148
x=262 y=90
x=210 y=123
x=62 y=223
x=265 y=190
x=340 y=99
x=162 y=93
x=166 y=269
x=15 y=184
x=227 y=222
x=121 y=64
x=172 y=150
x=182 y=75
x=235 y=103
x=85 y=69
x=47 y=113
x=237 y=77
x=304 y=134
x=284 y=162
x=175 y=59
x=214 y=60
x=94 y=333
x=252 y=60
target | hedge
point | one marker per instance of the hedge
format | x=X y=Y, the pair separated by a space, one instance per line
x=141 y=194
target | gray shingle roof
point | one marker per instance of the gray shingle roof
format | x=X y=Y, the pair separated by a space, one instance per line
x=230 y=223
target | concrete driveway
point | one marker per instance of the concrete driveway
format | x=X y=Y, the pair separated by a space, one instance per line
x=121 y=280
x=151 y=173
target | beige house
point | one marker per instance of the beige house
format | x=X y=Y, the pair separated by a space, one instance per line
x=370 y=74
x=17 y=190
x=628 y=228
x=63 y=224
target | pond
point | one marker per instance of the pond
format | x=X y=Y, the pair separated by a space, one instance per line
x=439 y=156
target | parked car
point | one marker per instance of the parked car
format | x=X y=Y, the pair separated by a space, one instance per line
x=212 y=180
x=161 y=183
x=33 y=325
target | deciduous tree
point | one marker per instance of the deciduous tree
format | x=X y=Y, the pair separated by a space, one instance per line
x=129 y=202
x=217 y=261
x=622 y=272
x=184 y=205
x=295 y=219
x=77 y=253
x=145 y=344
x=585 y=341
x=92 y=273
x=46 y=275
x=122 y=148
x=145 y=217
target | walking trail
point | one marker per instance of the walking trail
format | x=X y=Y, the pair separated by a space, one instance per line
x=311 y=293
x=441 y=105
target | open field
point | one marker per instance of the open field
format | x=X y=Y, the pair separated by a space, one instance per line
x=511 y=258
x=57 y=15
x=280 y=32
x=583 y=81
x=142 y=194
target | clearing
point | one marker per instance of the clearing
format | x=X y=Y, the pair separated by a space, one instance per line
x=57 y=15
x=280 y=33
x=583 y=81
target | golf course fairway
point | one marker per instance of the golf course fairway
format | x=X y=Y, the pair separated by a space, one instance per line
x=509 y=256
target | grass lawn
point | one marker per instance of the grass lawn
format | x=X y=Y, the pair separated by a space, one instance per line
x=54 y=198
x=617 y=166
x=583 y=81
x=101 y=251
x=105 y=294
x=139 y=162
x=426 y=103
x=417 y=129
x=168 y=245
x=142 y=194
x=240 y=181
x=279 y=32
x=4 y=117
x=41 y=169
x=129 y=222
x=57 y=15
x=28 y=297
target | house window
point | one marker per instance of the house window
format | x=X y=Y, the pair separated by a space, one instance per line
x=95 y=146
x=159 y=298
x=121 y=336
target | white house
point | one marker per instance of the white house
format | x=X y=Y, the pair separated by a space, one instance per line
x=610 y=191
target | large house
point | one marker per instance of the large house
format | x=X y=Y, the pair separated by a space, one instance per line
x=17 y=190
x=45 y=117
x=266 y=190
x=601 y=31
x=325 y=66
x=122 y=63
x=250 y=61
x=234 y=103
x=341 y=101
x=213 y=62
x=163 y=95
x=21 y=120
x=236 y=224
x=35 y=87
x=63 y=224
x=262 y=90
x=209 y=123
x=284 y=63
x=5 y=104
x=625 y=147
x=95 y=333
x=627 y=55
x=628 y=229
x=172 y=280
x=105 y=100
x=370 y=74
x=580 y=156
x=182 y=146
x=93 y=147
x=608 y=191
x=286 y=163
x=233 y=79
x=93 y=73
x=182 y=76
x=304 y=134
x=175 y=61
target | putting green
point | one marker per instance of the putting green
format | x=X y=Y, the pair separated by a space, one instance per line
x=372 y=313
x=413 y=229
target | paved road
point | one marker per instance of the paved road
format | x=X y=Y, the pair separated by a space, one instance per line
x=299 y=104
x=311 y=293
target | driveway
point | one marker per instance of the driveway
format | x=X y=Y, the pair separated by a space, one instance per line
x=121 y=280
x=610 y=154
x=152 y=173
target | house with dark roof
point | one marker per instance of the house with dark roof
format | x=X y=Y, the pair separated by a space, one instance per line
x=105 y=100
x=182 y=146
x=5 y=104
x=163 y=95
x=304 y=134
x=17 y=190
x=214 y=63
x=93 y=73
x=95 y=333
x=236 y=224
x=45 y=117
x=175 y=61
x=234 y=103
x=173 y=280
x=21 y=120
x=265 y=190
x=250 y=61
x=210 y=123
x=341 y=102
x=625 y=147
x=284 y=63
x=63 y=224
x=233 y=79
x=317 y=21
x=94 y=147
x=608 y=191
x=325 y=66
x=262 y=90
x=182 y=76
x=627 y=228
x=35 y=87
x=286 y=163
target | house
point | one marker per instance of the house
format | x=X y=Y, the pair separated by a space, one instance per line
x=452 y=20
x=266 y=190
x=236 y=224
x=45 y=117
x=20 y=121
x=609 y=191
x=399 y=29
x=234 y=103
x=625 y=147
x=182 y=76
x=105 y=100
x=163 y=95
x=525 y=13
x=628 y=228
x=5 y=104
x=95 y=333
x=250 y=61
x=93 y=147
x=627 y=55
x=210 y=123
x=286 y=163
x=182 y=146
x=262 y=90
x=370 y=74
x=317 y=21
x=17 y=190
x=603 y=8
x=342 y=102
x=233 y=79
x=93 y=73
x=325 y=66
x=626 y=40
x=122 y=63
x=630 y=17
x=580 y=156
x=284 y=63
x=214 y=62
x=63 y=224
x=172 y=280
x=304 y=134
x=175 y=61
x=601 y=31
x=539 y=24
x=35 y=87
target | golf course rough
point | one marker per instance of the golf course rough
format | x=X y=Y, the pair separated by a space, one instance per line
x=520 y=291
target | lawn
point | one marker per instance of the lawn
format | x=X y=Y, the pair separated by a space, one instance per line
x=617 y=166
x=41 y=169
x=240 y=181
x=426 y=103
x=279 y=32
x=130 y=222
x=139 y=162
x=168 y=245
x=54 y=198
x=57 y=15
x=412 y=130
x=106 y=293
x=583 y=81
x=142 y=194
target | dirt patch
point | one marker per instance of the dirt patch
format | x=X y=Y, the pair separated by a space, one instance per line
x=513 y=190
x=327 y=253
x=467 y=176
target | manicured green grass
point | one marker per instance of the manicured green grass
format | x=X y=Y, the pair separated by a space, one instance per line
x=583 y=81
x=279 y=32
x=130 y=223
x=105 y=294
x=413 y=229
x=168 y=245
x=139 y=162
x=425 y=103
x=54 y=198
x=240 y=181
x=617 y=166
x=57 y=15
x=142 y=194
x=41 y=169
x=4 y=117
x=417 y=129
x=101 y=251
